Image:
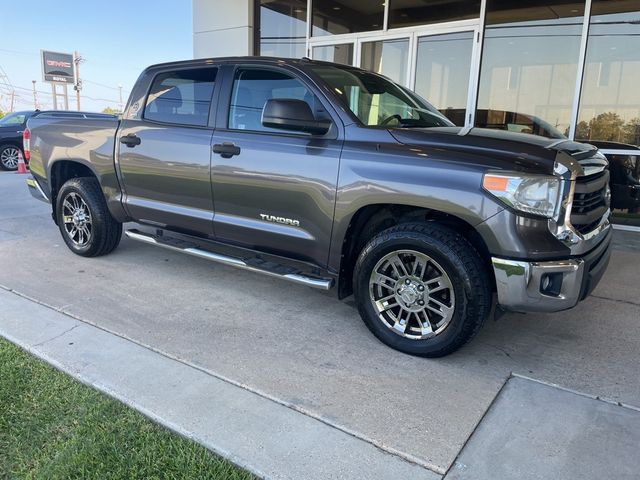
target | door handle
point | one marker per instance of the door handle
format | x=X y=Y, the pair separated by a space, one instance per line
x=130 y=140
x=226 y=149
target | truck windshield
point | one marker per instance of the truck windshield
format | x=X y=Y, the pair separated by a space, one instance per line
x=377 y=101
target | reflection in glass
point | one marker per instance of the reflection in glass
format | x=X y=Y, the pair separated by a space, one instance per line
x=332 y=17
x=408 y=13
x=283 y=25
x=529 y=63
x=377 y=102
x=442 y=72
x=335 y=53
x=388 y=57
x=625 y=187
x=610 y=100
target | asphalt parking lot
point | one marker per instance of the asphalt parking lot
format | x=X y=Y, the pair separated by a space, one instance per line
x=311 y=351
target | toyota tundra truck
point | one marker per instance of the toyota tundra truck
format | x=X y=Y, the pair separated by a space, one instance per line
x=333 y=177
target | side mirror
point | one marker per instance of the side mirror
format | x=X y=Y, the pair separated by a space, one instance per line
x=291 y=114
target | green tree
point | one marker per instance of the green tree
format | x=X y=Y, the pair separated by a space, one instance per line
x=1 y=114
x=582 y=130
x=606 y=126
x=631 y=132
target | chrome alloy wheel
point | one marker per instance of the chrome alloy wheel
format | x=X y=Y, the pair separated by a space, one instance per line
x=412 y=294
x=9 y=158
x=77 y=219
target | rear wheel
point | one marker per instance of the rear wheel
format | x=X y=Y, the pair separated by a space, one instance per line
x=9 y=155
x=85 y=222
x=422 y=289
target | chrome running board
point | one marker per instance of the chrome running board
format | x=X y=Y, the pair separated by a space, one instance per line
x=319 y=283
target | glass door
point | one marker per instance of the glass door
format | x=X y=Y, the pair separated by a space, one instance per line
x=443 y=70
x=439 y=62
x=387 y=57
x=338 y=53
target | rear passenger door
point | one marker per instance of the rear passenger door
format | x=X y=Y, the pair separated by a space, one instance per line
x=277 y=192
x=164 y=152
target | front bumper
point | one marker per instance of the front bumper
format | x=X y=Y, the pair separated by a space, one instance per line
x=550 y=286
x=35 y=190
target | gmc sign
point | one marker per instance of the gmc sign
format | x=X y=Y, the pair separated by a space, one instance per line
x=57 y=67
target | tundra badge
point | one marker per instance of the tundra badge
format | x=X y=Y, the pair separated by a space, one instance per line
x=284 y=221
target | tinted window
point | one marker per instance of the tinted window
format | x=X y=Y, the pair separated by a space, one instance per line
x=406 y=13
x=182 y=97
x=332 y=17
x=251 y=90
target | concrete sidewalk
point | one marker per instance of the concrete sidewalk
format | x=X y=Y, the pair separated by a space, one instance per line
x=531 y=430
x=536 y=431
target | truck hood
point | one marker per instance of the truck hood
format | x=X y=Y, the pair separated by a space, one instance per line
x=496 y=149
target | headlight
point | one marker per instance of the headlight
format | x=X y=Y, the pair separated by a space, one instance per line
x=534 y=194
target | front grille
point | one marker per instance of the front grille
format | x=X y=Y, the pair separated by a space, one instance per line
x=590 y=201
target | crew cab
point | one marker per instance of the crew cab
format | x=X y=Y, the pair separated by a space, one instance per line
x=336 y=178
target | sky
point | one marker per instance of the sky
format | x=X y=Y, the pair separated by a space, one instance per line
x=117 y=39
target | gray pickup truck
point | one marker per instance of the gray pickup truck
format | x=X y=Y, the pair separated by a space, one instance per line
x=331 y=176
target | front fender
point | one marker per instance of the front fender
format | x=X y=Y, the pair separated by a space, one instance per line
x=396 y=174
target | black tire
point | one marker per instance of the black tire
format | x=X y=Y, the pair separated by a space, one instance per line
x=469 y=292
x=105 y=231
x=8 y=159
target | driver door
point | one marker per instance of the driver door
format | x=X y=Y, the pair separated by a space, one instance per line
x=277 y=192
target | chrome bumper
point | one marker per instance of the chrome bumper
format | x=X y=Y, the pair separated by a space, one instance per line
x=519 y=284
x=550 y=286
x=36 y=191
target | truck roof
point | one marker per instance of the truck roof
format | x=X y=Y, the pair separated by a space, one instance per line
x=298 y=62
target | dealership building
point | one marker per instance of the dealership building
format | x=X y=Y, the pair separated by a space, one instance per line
x=555 y=68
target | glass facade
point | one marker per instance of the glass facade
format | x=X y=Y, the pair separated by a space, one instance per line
x=557 y=68
x=610 y=99
x=609 y=114
x=283 y=28
x=529 y=65
x=524 y=74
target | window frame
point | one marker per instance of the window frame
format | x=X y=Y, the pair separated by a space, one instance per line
x=227 y=93
x=213 y=101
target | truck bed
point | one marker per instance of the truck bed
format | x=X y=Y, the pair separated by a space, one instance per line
x=86 y=138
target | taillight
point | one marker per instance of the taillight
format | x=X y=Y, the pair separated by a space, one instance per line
x=26 y=143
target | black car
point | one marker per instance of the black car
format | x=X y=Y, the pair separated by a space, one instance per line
x=11 y=127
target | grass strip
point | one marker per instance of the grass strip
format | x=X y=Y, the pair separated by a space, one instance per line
x=54 y=427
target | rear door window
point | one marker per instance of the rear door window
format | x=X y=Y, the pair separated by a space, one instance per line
x=253 y=87
x=181 y=97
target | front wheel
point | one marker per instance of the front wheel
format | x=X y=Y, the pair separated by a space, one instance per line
x=85 y=222
x=422 y=289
